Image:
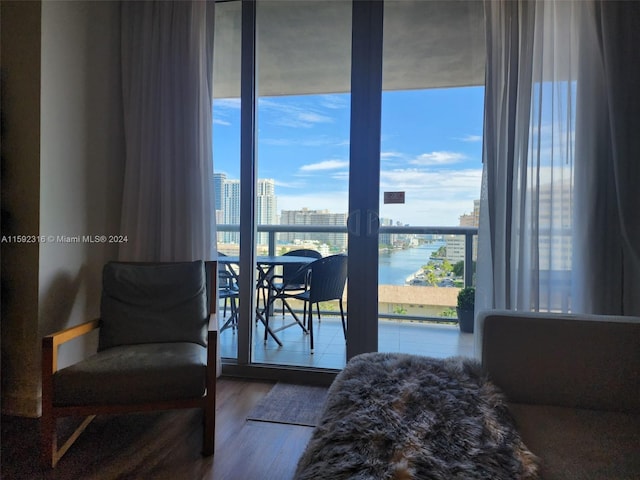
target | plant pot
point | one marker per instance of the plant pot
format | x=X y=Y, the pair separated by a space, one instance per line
x=465 y=320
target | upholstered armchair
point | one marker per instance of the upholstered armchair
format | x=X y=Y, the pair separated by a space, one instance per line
x=157 y=350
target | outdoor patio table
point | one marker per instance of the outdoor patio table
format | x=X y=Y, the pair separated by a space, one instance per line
x=266 y=264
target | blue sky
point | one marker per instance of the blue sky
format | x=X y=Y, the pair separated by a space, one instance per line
x=431 y=148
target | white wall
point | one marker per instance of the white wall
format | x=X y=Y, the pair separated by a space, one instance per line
x=80 y=182
x=82 y=155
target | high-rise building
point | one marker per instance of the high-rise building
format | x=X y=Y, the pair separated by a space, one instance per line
x=471 y=219
x=227 y=204
x=265 y=207
x=555 y=210
x=218 y=190
x=315 y=217
x=387 y=239
x=231 y=209
x=455 y=244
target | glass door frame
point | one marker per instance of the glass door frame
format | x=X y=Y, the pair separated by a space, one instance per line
x=364 y=176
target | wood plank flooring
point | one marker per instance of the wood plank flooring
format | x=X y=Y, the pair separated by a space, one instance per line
x=165 y=445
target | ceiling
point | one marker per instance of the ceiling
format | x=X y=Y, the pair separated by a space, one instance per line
x=304 y=47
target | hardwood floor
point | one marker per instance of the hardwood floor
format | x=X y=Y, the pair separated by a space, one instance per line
x=165 y=445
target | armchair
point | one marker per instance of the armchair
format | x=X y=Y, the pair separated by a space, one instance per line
x=157 y=350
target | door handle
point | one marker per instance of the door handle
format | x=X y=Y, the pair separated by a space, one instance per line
x=353 y=223
x=373 y=223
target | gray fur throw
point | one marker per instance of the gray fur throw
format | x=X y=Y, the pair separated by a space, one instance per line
x=400 y=417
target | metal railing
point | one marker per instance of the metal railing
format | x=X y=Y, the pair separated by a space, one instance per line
x=467 y=232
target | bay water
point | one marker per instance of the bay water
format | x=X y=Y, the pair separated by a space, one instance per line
x=397 y=265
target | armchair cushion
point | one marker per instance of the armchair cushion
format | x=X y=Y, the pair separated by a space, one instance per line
x=153 y=303
x=130 y=374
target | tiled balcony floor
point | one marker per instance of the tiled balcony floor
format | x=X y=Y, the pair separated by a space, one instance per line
x=435 y=340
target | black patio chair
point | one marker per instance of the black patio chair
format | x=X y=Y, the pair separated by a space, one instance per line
x=293 y=277
x=229 y=291
x=325 y=281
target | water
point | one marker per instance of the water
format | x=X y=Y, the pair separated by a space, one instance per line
x=395 y=267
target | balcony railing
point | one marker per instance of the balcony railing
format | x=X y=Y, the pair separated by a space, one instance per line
x=467 y=232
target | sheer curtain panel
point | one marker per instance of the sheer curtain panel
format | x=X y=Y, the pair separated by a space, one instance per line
x=560 y=158
x=167 y=61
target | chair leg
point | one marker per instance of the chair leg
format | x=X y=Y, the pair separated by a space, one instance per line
x=51 y=455
x=344 y=324
x=232 y=321
x=48 y=439
x=234 y=313
x=305 y=323
x=310 y=327
x=209 y=426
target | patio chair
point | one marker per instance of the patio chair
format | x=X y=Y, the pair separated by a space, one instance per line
x=325 y=281
x=157 y=350
x=293 y=277
x=229 y=292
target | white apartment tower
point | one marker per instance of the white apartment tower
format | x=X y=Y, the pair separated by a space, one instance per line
x=315 y=217
x=265 y=207
x=231 y=209
x=227 y=203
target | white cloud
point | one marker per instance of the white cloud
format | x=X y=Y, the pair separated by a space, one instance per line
x=334 y=102
x=221 y=110
x=313 y=117
x=342 y=176
x=321 y=141
x=324 y=165
x=226 y=103
x=471 y=138
x=433 y=198
x=296 y=185
x=435 y=183
x=291 y=115
x=390 y=155
x=438 y=158
x=306 y=142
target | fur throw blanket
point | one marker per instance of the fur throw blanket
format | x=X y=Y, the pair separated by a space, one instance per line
x=401 y=417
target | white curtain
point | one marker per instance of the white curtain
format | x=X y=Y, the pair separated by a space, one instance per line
x=167 y=66
x=557 y=183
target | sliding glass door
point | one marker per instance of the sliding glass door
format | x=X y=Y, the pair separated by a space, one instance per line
x=430 y=172
x=306 y=169
x=303 y=104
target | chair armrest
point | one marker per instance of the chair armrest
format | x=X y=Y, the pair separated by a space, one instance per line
x=62 y=336
x=50 y=345
x=51 y=342
x=213 y=324
x=212 y=350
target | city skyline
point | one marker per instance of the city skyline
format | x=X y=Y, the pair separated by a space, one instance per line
x=431 y=148
x=227 y=202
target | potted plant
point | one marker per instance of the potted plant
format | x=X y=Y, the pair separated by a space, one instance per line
x=466 y=308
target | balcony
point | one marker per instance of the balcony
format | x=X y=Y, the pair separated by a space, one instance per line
x=400 y=329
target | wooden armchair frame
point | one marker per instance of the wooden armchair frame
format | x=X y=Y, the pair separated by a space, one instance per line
x=51 y=454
